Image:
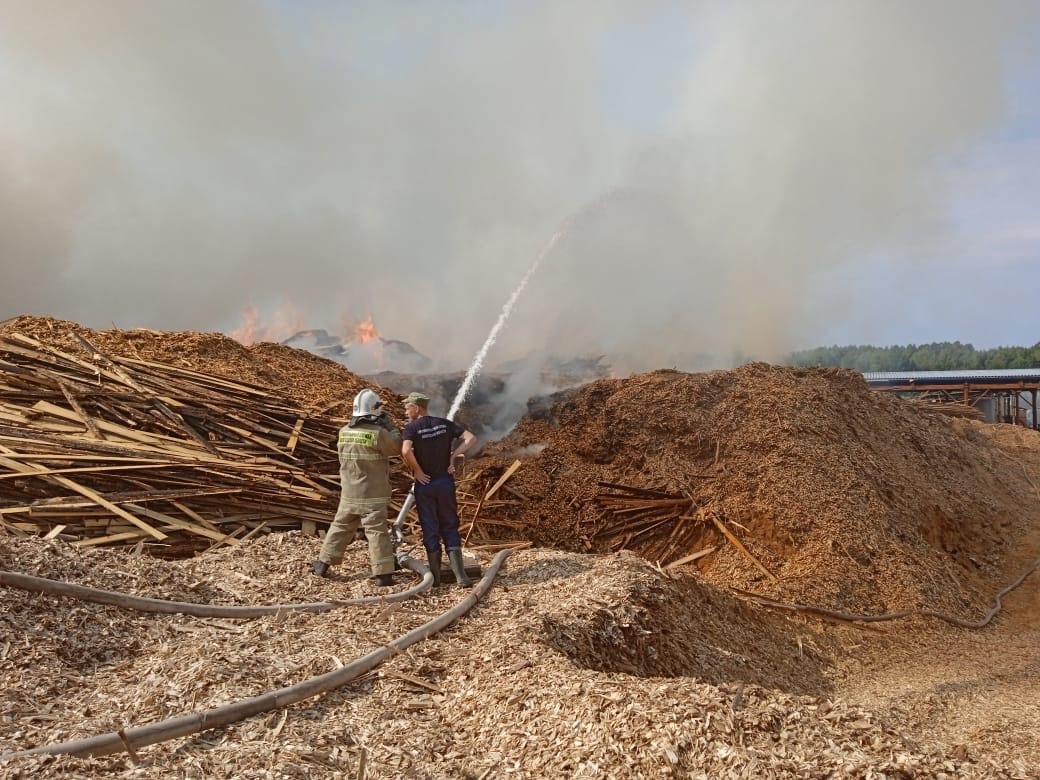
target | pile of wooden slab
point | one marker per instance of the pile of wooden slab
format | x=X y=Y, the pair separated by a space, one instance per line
x=101 y=449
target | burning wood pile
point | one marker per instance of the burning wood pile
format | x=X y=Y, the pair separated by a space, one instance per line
x=102 y=449
x=365 y=351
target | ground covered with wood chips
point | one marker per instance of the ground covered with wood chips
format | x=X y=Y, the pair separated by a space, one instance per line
x=590 y=660
x=572 y=666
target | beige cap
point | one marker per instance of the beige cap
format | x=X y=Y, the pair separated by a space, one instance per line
x=418 y=399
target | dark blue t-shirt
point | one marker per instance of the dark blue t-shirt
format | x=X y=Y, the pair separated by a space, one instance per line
x=431 y=439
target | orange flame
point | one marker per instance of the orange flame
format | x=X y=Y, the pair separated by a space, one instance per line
x=366 y=331
x=284 y=322
x=246 y=332
x=358 y=332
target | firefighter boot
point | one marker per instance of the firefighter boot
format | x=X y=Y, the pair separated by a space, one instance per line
x=458 y=567
x=320 y=569
x=433 y=558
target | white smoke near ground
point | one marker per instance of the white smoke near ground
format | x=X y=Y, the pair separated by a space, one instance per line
x=530 y=451
x=169 y=164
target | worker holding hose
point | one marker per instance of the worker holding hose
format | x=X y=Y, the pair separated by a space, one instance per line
x=365 y=445
x=427 y=450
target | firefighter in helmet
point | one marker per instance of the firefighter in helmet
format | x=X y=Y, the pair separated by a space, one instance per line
x=365 y=445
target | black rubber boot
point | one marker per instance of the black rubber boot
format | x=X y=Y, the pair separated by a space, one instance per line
x=320 y=569
x=385 y=580
x=433 y=558
x=458 y=567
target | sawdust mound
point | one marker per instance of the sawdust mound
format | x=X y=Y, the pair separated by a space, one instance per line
x=312 y=382
x=653 y=626
x=851 y=498
x=515 y=687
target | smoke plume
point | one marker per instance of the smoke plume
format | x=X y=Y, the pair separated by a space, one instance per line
x=172 y=163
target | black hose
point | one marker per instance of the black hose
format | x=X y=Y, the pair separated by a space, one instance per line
x=116 y=599
x=852 y=618
x=184 y=725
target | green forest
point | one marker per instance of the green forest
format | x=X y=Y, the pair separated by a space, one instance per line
x=941 y=356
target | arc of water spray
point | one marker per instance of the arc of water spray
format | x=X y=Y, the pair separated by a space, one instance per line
x=478 y=360
x=478 y=363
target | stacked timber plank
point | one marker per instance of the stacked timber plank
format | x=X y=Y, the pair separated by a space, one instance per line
x=102 y=449
x=948 y=408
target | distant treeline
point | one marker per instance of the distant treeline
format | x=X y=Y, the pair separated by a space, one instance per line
x=942 y=356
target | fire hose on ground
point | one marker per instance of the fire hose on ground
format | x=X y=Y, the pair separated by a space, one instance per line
x=164 y=606
x=142 y=604
x=851 y=618
x=129 y=739
x=397 y=529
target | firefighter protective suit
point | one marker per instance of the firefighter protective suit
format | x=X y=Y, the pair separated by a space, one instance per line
x=365 y=445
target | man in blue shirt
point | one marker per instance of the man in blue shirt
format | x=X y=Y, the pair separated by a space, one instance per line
x=427 y=450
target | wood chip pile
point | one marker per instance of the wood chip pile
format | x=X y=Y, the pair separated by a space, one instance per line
x=797 y=484
x=574 y=666
x=104 y=448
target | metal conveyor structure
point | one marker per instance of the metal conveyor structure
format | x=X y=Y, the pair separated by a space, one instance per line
x=1004 y=395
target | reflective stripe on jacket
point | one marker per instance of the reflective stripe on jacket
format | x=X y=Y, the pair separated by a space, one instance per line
x=364 y=462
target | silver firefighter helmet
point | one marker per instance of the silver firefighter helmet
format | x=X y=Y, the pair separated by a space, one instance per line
x=367 y=403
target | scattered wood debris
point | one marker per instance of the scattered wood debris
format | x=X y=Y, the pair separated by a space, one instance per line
x=576 y=666
x=580 y=665
x=113 y=450
x=475 y=526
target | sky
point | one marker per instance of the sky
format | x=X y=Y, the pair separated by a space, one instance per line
x=715 y=179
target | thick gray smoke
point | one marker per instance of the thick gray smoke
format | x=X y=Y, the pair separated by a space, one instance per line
x=170 y=164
